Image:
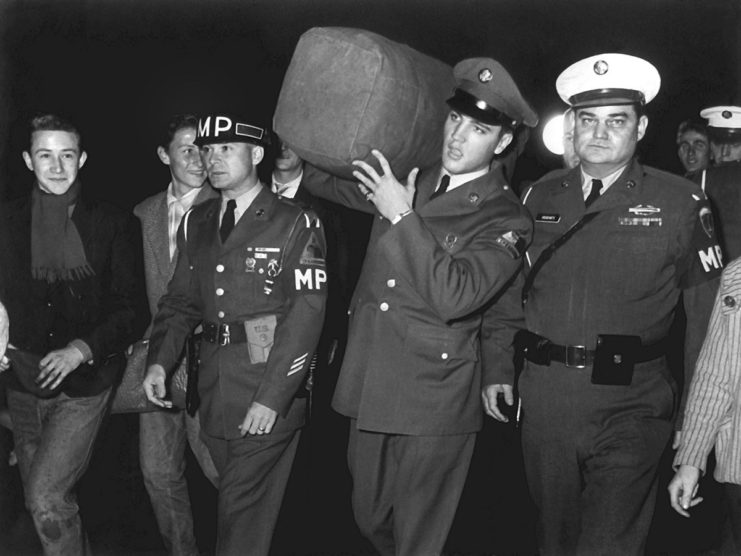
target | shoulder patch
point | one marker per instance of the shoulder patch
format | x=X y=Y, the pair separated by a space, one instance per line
x=312 y=253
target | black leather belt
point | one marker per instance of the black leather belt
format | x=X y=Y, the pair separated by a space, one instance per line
x=571 y=356
x=542 y=351
x=224 y=333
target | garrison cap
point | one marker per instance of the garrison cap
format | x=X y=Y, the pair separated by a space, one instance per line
x=487 y=92
x=230 y=128
x=724 y=123
x=608 y=79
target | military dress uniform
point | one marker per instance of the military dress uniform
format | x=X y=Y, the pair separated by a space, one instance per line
x=722 y=186
x=411 y=377
x=721 y=181
x=412 y=366
x=260 y=296
x=591 y=442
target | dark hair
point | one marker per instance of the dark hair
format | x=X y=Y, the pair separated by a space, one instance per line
x=691 y=125
x=176 y=123
x=52 y=122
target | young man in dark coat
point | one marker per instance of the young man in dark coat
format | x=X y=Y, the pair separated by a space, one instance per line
x=68 y=277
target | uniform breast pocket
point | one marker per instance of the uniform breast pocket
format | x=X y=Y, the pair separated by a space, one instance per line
x=632 y=259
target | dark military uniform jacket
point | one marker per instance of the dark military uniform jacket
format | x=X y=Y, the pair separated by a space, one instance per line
x=620 y=274
x=412 y=363
x=270 y=277
x=722 y=185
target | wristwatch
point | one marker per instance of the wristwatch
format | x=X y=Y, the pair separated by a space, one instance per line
x=401 y=215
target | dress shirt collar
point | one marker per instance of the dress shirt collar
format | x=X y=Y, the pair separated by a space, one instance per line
x=459 y=179
x=243 y=202
x=607 y=181
x=287 y=189
x=186 y=201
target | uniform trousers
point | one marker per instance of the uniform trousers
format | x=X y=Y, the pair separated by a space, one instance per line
x=253 y=472
x=162 y=439
x=592 y=454
x=54 y=440
x=406 y=488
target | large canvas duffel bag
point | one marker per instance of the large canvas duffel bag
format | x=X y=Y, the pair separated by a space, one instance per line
x=347 y=91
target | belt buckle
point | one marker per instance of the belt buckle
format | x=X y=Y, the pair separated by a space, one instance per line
x=576 y=357
x=224 y=335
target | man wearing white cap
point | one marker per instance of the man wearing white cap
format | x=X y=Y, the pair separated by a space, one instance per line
x=724 y=131
x=615 y=244
x=441 y=248
x=721 y=181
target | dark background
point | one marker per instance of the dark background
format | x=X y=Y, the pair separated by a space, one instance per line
x=119 y=68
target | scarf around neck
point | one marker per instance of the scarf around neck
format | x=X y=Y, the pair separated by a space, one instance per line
x=57 y=252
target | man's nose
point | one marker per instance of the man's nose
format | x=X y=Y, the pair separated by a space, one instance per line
x=57 y=164
x=458 y=132
x=197 y=160
x=600 y=129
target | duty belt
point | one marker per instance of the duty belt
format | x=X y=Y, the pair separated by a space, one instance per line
x=542 y=351
x=224 y=333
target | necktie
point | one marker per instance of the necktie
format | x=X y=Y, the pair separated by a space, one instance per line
x=442 y=188
x=227 y=222
x=594 y=193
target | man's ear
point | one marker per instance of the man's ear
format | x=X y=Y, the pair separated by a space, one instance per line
x=83 y=159
x=163 y=156
x=258 y=153
x=28 y=160
x=504 y=140
x=642 y=125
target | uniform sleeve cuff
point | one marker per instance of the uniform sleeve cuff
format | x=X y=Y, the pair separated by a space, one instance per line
x=83 y=348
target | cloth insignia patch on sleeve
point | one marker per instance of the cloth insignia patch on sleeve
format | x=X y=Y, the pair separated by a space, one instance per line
x=512 y=243
x=312 y=254
x=297 y=364
x=706 y=219
x=709 y=261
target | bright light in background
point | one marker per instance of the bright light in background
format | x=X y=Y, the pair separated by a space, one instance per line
x=553 y=134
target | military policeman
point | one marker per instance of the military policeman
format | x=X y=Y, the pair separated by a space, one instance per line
x=615 y=243
x=251 y=269
x=721 y=181
x=441 y=247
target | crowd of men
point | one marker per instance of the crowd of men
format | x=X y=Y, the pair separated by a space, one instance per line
x=552 y=310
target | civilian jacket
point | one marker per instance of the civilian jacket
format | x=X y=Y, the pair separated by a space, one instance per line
x=106 y=310
x=713 y=414
x=158 y=268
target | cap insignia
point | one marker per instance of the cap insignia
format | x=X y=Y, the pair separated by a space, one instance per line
x=601 y=67
x=726 y=114
x=485 y=75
